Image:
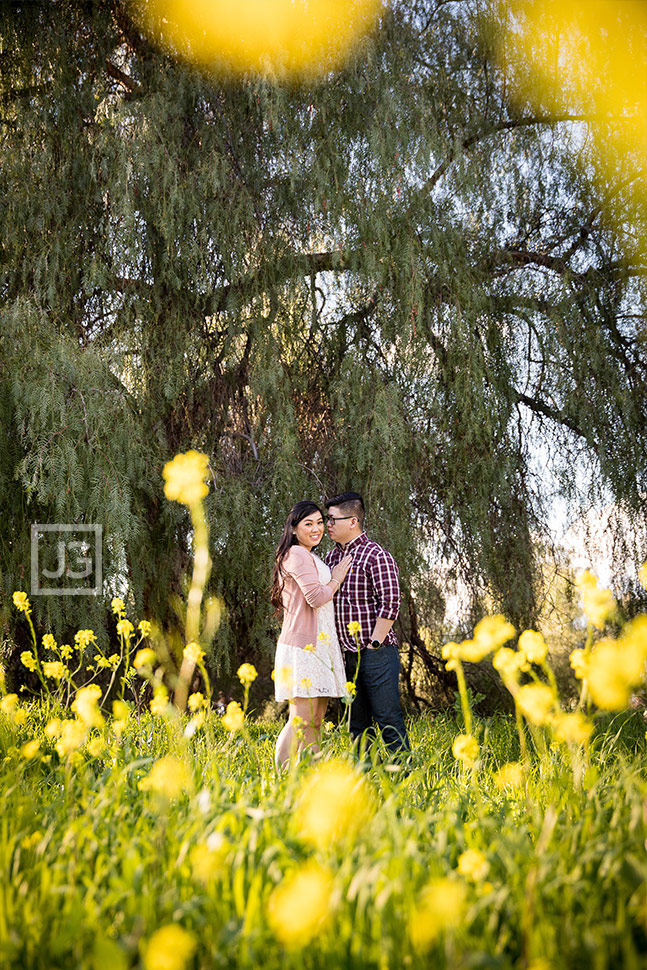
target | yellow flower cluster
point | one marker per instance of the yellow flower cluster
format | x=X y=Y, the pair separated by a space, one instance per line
x=247 y=674
x=473 y=865
x=83 y=638
x=193 y=652
x=233 y=719
x=85 y=706
x=300 y=906
x=439 y=909
x=185 y=478
x=55 y=669
x=144 y=658
x=28 y=660
x=466 y=749
x=169 y=948
x=489 y=634
x=335 y=802
x=598 y=604
x=169 y=777
x=21 y=602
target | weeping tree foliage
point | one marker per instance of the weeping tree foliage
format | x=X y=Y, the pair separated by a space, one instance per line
x=395 y=279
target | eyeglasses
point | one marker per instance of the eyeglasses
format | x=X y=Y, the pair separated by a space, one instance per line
x=338 y=518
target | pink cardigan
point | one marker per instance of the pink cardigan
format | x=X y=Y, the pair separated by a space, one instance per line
x=302 y=594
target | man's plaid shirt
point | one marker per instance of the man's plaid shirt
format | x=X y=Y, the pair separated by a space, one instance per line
x=371 y=589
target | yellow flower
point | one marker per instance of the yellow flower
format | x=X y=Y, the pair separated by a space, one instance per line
x=117 y=606
x=71 y=738
x=169 y=948
x=144 y=658
x=536 y=702
x=83 y=638
x=329 y=727
x=196 y=701
x=100 y=661
x=20 y=717
x=305 y=683
x=193 y=652
x=144 y=628
x=323 y=637
x=120 y=710
x=66 y=651
x=9 y=704
x=247 y=673
x=28 y=660
x=642 y=574
x=169 y=777
x=159 y=703
x=473 y=864
x=489 y=634
x=354 y=627
x=53 y=728
x=615 y=667
x=579 y=663
x=21 y=602
x=124 y=628
x=451 y=652
x=598 y=604
x=466 y=749
x=509 y=663
x=233 y=719
x=533 y=646
x=509 y=776
x=299 y=908
x=334 y=804
x=30 y=749
x=572 y=728
x=282 y=676
x=309 y=648
x=55 y=669
x=85 y=705
x=278 y=39
x=31 y=841
x=185 y=478
x=351 y=688
x=210 y=859
x=440 y=908
x=49 y=643
x=96 y=746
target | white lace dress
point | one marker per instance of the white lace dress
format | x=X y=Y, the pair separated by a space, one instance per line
x=312 y=673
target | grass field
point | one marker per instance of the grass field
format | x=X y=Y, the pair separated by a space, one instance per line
x=141 y=847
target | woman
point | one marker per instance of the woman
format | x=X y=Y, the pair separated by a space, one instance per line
x=308 y=668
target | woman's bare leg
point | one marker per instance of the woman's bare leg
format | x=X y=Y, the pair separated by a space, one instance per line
x=310 y=711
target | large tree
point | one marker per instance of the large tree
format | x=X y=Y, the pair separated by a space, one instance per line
x=395 y=279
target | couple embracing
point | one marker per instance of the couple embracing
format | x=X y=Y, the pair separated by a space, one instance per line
x=317 y=654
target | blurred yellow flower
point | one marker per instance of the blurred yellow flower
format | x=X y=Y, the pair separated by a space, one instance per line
x=169 y=777
x=274 y=38
x=9 y=704
x=440 y=908
x=144 y=627
x=334 y=803
x=579 y=663
x=351 y=688
x=210 y=859
x=233 y=719
x=299 y=908
x=282 y=676
x=572 y=728
x=642 y=574
x=117 y=606
x=31 y=841
x=85 y=705
x=354 y=627
x=20 y=717
x=144 y=658
x=196 y=701
x=533 y=646
x=305 y=683
x=28 y=660
x=247 y=673
x=120 y=710
x=55 y=669
x=53 y=728
x=510 y=663
x=49 y=643
x=490 y=633
x=159 y=703
x=96 y=746
x=185 y=478
x=30 y=749
x=615 y=667
x=21 y=602
x=72 y=736
x=466 y=749
x=473 y=865
x=193 y=652
x=309 y=648
x=536 y=702
x=509 y=776
x=598 y=604
x=169 y=948
x=124 y=627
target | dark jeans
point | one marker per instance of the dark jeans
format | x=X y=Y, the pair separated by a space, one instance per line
x=378 y=697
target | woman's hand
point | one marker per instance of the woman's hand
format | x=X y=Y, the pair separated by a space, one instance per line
x=339 y=571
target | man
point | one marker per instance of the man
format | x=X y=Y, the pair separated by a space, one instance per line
x=370 y=597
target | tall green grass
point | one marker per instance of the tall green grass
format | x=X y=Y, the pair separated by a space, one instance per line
x=92 y=865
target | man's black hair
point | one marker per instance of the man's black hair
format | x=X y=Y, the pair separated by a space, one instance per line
x=349 y=502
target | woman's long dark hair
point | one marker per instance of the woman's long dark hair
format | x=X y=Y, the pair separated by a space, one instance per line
x=288 y=539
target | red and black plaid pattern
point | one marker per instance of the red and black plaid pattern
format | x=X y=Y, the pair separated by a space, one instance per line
x=371 y=589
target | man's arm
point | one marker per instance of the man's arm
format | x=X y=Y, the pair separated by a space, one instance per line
x=384 y=575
